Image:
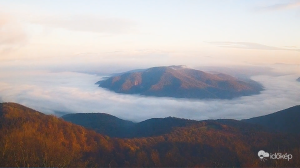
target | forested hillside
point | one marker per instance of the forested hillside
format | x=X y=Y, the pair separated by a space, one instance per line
x=30 y=138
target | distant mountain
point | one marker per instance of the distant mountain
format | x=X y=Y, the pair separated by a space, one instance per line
x=31 y=139
x=102 y=123
x=114 y=127
x=159 y=126
x=286 y=121
x=298 y=79
x=180 y=82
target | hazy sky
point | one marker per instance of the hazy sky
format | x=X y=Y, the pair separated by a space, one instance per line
x=46 y=48
x=148 y=32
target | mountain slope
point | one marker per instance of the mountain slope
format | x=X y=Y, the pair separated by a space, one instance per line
x=180 y=82
x=298 y=79
x=114 y=127
x=282 y=121
x=102 y=123
x=221 y=143
x=31 y=139
x=285 y=121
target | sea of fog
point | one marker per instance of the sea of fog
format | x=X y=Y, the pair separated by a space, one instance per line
x=73 y=92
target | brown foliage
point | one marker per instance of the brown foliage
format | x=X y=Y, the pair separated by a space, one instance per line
x=30 y=138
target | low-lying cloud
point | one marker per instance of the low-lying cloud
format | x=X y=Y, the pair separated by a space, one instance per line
x=249 y=45
x=69 y=92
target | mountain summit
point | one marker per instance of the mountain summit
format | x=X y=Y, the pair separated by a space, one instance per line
x=180 y=82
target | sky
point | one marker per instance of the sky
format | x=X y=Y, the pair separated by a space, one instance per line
x=149 y=32
x=53 y=52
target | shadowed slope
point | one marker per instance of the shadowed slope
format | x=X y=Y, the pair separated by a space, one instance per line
x=287 y=120
x=114 y=127
x=102 y=123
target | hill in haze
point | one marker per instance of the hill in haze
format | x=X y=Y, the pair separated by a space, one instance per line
x=180 y=82
x=298 y=79
x=285 y=121
x=31 y=139
x=114 y=127
x=102 y=123
x=282 y=121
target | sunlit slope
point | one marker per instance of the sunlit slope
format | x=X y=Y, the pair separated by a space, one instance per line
x=30 y=138
x=180 y=82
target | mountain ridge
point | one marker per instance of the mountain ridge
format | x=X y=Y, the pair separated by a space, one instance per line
x=180 y=82
x=126 y=129
x=101 y=122
x=286 y=120
x=29 y=138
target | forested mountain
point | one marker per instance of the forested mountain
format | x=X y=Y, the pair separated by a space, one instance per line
x=285 y=121
x=102 y=123
x=282 y=121
x=29 y=138
x=180 y=82
x=114 y=127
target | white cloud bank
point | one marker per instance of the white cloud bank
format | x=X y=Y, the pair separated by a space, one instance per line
x=51 y=92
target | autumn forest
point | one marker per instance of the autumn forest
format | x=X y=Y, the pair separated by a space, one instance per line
x=31 y=139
